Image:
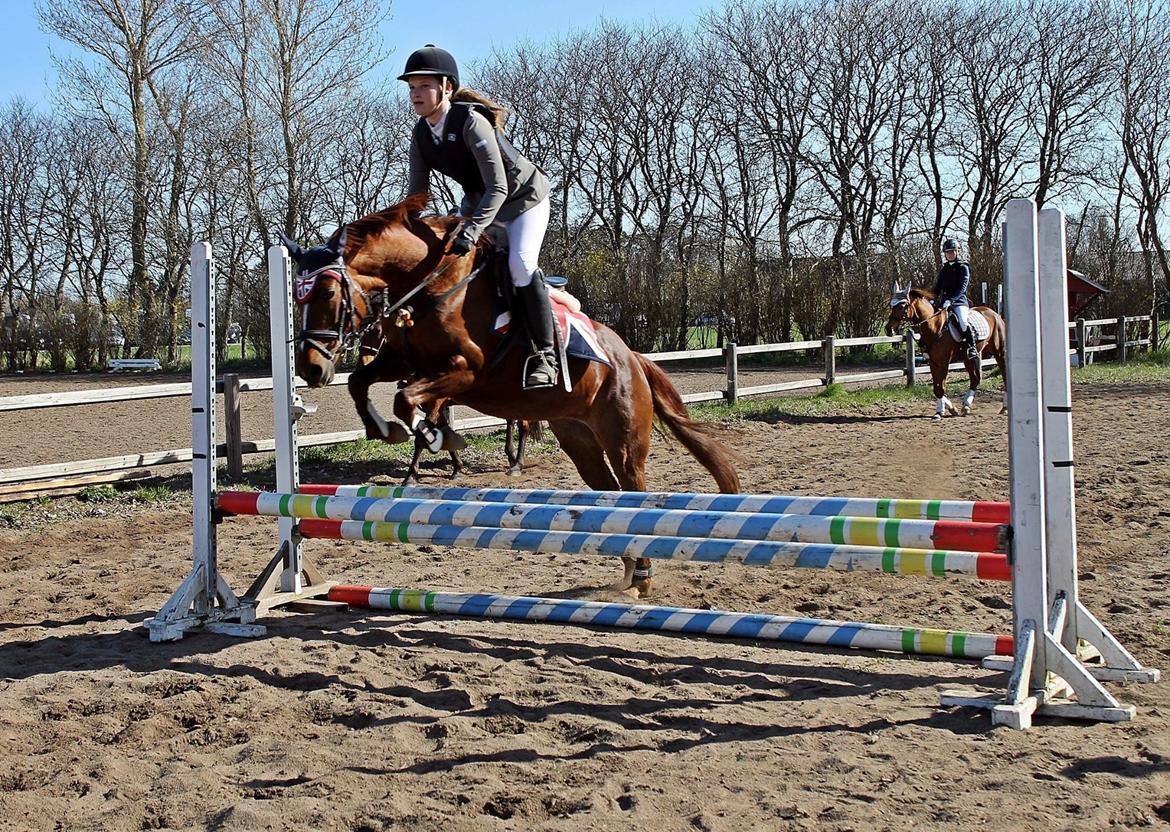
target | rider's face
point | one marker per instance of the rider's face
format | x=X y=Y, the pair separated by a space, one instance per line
x=950 y=255
x=426 y=93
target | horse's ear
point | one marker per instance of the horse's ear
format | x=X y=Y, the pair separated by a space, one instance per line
x=294 y=250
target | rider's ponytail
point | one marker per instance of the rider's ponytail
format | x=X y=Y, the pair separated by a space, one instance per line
x=470 y=96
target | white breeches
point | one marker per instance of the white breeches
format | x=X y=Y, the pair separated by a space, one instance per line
x=525 y=237
x=960 y=313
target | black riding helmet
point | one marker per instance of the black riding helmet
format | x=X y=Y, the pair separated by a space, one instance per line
x=950 y=245
x=431 y=60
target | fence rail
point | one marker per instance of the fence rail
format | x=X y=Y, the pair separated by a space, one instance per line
x=236 y=447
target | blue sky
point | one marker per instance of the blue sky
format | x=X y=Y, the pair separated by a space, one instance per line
x=462 y=26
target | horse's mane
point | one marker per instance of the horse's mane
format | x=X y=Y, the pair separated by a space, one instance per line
x=916 y=294
x=405 y=213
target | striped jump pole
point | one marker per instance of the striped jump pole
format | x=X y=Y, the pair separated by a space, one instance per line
x=862 y=636
x=979 y=512
x=957 y=535
x=937 y=564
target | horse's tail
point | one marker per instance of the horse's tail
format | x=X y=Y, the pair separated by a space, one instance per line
x=535 y=429
x=697 y=438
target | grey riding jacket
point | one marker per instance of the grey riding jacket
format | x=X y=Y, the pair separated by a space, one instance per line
x=499 y=183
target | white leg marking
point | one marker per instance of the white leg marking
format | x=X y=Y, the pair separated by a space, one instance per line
x=383 y=425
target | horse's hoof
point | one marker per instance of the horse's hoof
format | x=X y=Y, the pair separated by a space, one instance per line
x=638 y=590
x=411 y=479
x=452 y=441
x=1002 y=411
x=396 y=434
x=936 y=417
x=514 y=471
x=966 y=410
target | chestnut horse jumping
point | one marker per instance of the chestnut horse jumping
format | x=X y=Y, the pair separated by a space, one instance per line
x=915 y=308
x=453 y=354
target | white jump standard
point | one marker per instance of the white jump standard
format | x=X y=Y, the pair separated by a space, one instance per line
x=1058 y=652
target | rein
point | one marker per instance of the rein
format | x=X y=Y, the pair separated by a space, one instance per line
x=376 y=311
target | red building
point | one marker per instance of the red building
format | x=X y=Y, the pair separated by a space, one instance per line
x=1081 y=292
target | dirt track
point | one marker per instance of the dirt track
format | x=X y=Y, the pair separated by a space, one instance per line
x=362 y=721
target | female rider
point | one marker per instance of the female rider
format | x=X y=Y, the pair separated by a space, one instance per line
x=950 y=292
x=459 y=134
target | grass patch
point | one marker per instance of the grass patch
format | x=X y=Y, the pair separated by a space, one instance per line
x=1142 y=368
x=98 y=494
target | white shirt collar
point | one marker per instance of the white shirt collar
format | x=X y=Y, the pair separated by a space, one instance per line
x=437 y=129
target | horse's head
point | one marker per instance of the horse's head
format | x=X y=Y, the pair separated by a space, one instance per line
x=338 y=285
x=905 y=309
x=332 y=308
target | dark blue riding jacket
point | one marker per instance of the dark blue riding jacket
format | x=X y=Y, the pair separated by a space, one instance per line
x=951 y=284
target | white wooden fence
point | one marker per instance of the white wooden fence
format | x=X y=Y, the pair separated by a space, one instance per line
x=47 y=476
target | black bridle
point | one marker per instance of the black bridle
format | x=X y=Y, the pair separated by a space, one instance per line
x=345 y=331
x=906 y=322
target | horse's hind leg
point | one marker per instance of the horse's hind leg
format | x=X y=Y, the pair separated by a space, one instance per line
x=579 y=442
x=625 y=429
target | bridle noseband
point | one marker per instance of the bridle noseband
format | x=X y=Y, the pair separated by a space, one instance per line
x=345 y=332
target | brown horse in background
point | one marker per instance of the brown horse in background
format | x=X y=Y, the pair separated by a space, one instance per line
x=915 y=308
x=452 y=353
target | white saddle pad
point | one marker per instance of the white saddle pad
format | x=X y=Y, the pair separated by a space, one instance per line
x=976 y=321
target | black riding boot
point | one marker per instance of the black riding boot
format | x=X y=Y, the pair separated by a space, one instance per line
x=969 y=341
x=541 y=368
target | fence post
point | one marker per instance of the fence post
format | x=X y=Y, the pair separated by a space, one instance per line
x=731 y=394
x=983 y=293
x=232 y=426
x=1121 y=339
x=910 y=367
x=830 y=359
x=999 y=298
x=1154 y=324
x=1082 y=333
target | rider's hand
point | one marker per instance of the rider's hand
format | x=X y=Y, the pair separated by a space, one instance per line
x=946 y=304
x=459 y=246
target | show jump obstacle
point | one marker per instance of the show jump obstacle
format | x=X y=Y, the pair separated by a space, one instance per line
x=1058 y=653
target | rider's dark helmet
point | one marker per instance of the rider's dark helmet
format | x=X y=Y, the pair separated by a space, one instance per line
x=950 y=245
x=431 y=60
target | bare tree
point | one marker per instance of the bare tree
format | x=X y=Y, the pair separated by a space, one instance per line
x=133 y=43
x=1141 y=34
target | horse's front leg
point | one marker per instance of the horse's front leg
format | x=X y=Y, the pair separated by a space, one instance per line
x=425 y=392
x=975 y=375
x=513 y=450
x=938 y=375
x=359 y=390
